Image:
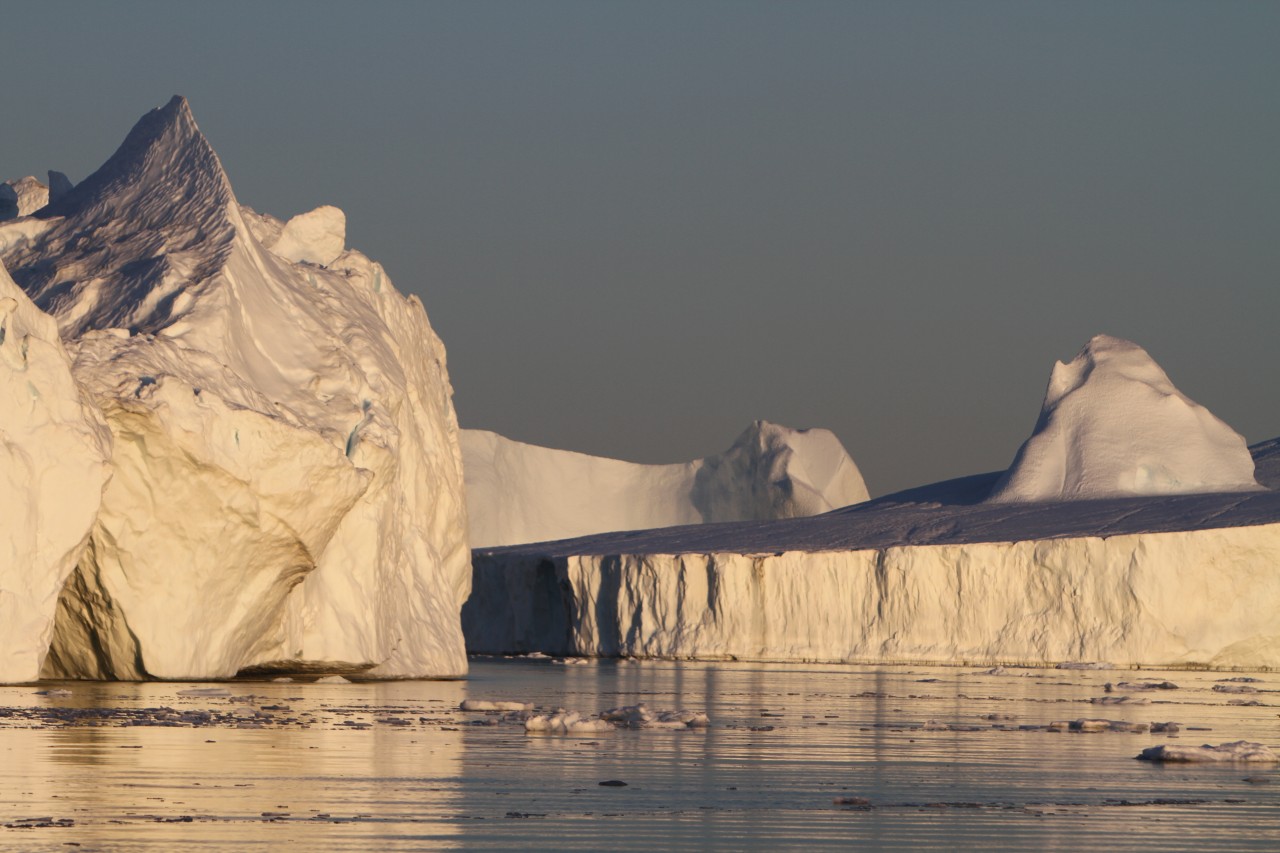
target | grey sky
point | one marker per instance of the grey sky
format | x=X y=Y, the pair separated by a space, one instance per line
x=639 y=226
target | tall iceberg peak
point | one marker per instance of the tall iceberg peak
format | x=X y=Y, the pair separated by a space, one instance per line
x=1113 y=424
x=134 y=243
x=287 y=484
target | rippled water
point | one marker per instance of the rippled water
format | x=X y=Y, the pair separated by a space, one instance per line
x=937 y=753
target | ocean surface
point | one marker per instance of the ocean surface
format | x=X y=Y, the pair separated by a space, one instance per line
x=797 y=757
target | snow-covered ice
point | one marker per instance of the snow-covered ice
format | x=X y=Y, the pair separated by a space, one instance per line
x=1113 y=424
x=1240 y=750
x=53 y=451
x=520 y=492
x=931 y=574
x=22 y=197
x=287 y=486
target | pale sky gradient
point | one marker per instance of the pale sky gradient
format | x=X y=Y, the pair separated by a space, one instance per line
x=640 y=226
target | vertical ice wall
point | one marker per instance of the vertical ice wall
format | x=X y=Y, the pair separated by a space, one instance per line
x=53 y=452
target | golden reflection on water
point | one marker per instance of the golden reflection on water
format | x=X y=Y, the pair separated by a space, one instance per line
x=397 y=766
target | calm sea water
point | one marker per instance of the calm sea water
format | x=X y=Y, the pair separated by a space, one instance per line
x=937 y=754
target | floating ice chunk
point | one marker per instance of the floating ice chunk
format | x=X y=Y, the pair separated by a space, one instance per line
x=1120 y=700
x=1240 y=750
x=204 y=691
x=1140 y=685
x=572 y=661
x=1240 y=679
x=1094 y=725
x=333 y=679
x=499 y=705
x=642 y=717
x=1113 y=424
x=567 y=723
x=53 y=692
x=1234 y=688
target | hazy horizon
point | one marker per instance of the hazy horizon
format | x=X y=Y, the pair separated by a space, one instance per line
x=640 y=227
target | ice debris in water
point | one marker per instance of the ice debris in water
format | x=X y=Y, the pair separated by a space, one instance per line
x=497 y=705
x=566 y=723
x=641 y=717
x=1120 y=700
x=1140 y=685
x=205 y=691
x=1090 y=725
x=1234 y=688
x=627 y=716
x=333 y=679
x=1240 y=750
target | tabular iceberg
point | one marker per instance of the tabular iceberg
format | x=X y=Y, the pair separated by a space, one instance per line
x=1113 y=424
x=1129 y=529
x=519 y=492
x=287 y=488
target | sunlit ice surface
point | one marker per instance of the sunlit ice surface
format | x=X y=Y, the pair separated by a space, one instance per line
x=796 y=757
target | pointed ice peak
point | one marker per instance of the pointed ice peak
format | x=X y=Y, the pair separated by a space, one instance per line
x=1117 y=357
x=164 y=160
x=1113 y=424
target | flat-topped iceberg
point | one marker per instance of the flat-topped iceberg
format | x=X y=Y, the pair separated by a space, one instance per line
x=520 y=492
x=941 y=573
x=1113 y=424
x=287 y=486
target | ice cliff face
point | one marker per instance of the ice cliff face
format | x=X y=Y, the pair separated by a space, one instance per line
x=285 y=438
x=523 y=493
x=1203 y=597
x=1113 y=424
x=53 y=452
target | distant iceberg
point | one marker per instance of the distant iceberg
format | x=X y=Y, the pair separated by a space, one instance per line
x=520 y=492
x=1113 y=424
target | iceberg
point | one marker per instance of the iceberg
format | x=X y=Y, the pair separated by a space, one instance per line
x=1113 y=424
x=54 y=447
x=518 y=493
x=1080 y=556
x=286 y=489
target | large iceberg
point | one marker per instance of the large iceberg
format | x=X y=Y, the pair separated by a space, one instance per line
x=53 y=452
x=287 y=487
x=1129 y=529
x=1180 y=580
x=520 y=492
x=1113 y=424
